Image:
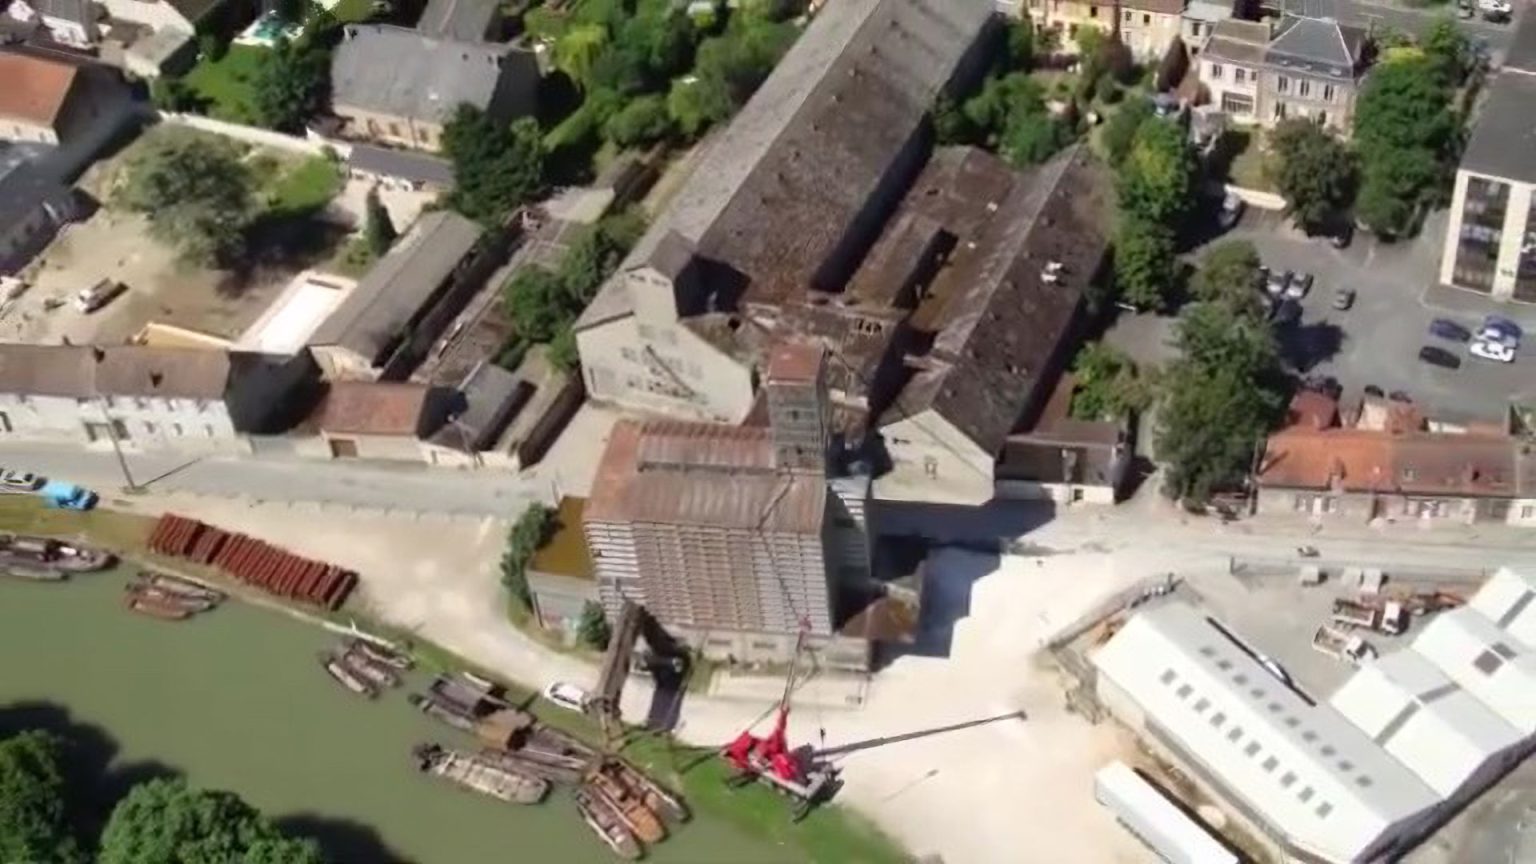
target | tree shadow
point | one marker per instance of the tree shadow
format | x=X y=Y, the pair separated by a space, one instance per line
x=93 y=783
x=1303 y=347
x=340 y=839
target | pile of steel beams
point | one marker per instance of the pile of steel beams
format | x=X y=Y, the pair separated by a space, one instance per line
x=254 y=562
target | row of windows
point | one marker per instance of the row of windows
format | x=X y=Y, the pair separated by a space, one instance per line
x=1304 y=87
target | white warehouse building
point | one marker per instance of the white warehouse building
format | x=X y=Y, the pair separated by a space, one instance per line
x=1404 y=744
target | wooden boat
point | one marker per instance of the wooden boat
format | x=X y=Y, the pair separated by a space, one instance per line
x=570 y=768
x=379 y=676
x=467 y=694
x=637 y=817
x=442 y=712
x=606 y=824
x=345 y=677
x=154 y=608
x=659 y=798
x=551 y=741
x=381 y=656
x=478 y=774
x=536 y=767
x=23 y=549
x=192 y=605
x=35 y=573
x=178 y=585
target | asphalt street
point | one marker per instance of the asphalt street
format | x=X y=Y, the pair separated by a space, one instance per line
x=375 y=486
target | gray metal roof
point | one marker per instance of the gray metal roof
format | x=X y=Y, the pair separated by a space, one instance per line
x=464 y=20
x=1503 y=143
x=24 y=188
x=391 y=294
x=1317 y=46
x=402 y=73
x=487 y=398
x=401 y=164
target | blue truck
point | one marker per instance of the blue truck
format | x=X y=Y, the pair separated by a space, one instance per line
x=67 y=496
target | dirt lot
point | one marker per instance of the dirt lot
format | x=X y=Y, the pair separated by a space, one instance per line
x=114 y=244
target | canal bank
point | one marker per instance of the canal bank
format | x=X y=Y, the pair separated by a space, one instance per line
x=235 y=699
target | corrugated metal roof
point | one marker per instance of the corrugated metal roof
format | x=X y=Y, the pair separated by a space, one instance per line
x=702 y=474
x=1304 y=769
x=1489 y=663
x=1409 y=706
x=1508 y=599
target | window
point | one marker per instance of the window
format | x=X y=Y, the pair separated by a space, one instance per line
x=1146 y=19
x=1283 y=84
x=1194 y=27
x=1093 y=11
x=1270 y=763
x=1236 y=733
x=1239 y=75
x=1306 y=795
x=1482 y=231
x=1167 y=676
x=1303 y=87
x=176 y=428
x=1185 y=690
x=149 y=428
x=1201 y=704
x=1327 y=92
x=1127 y=16
x=1217 y=719
x=1527 y=511
x=1216 y=71
x=1279 y=110
x=1252 y=749
x=1287 y=779
x=1324 y=809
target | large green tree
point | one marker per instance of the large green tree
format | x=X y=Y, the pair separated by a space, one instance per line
x=34 y=823
x=1157 y=176
x=642 y=121
x=1316 y=173
x=378 y=229
x=289 y=84
x=1406 y=131
x=1146 y=266
x=495 y=168
x=1227 y=274
x=531 y=530
x=1106 y=384
x=168 y=822
x=195 y=190
x=1119 y=132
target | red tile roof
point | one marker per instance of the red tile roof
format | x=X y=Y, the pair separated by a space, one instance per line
x=34 y=88
x=372 y=408
x=1365 y=460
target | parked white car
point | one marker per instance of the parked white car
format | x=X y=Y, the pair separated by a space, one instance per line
x=1492 y=351
x=568 y=696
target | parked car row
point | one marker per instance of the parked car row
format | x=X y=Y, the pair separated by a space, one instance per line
x=1497 y=339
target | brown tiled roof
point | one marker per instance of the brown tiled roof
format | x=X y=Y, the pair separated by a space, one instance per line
x=999 y=323
x=795 y=360
x=372 y=408
x=1415 y=463
x=33 y=89
x=1313 y=410
x=124 y=370
x=702 y=474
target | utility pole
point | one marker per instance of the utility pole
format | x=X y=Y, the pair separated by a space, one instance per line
x=117 y=448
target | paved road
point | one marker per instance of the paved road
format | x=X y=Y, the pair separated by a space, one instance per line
x=374 y=486
x=1399 y=17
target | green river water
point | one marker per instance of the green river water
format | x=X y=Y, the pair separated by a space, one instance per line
x=235 y=699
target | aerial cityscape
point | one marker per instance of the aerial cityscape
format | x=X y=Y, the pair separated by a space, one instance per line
x=767 y=431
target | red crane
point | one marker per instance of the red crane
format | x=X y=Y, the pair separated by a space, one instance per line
x=769 y=759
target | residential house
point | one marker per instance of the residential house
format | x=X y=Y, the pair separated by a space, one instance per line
x=1148 y=27
x=67 y=22
x=388 y=321
x=33 y=207
x=461 y=20
x=396 y=86
x=1490 y=239
x=140 y=398
x=1259 y=73
x=380 y=420
x=52 y=101
x=1200 y=19
x=1383 y=462
x=735 y=538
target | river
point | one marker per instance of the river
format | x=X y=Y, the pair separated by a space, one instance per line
x=236 y=700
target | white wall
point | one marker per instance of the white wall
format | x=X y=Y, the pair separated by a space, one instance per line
x=934 y=462
x=154 y=15
x=144 y=423
x=624 y=363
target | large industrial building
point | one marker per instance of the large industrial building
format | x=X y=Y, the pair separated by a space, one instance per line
x=1364 y=776
x=735 y=538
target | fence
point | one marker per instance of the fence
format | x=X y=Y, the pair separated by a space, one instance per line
x=311 y=144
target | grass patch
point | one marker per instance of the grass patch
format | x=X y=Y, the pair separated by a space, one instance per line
x=225 y=84
x=303 y=187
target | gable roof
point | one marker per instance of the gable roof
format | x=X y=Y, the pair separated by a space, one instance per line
x=487 y=398
x=83 y=372
x=396 y=289
x=1508 y=599
x=1238 y=41
x=1320 y=46
x=35 y=87
x=464 y=20
x=399 y=72
x=388 y=408
x=1491 y=664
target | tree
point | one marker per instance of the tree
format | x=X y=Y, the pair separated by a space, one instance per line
x=563 y=352
x=195 y=190
x=950 y=125
x=1120 y=130
x=1226 y=275
x=536 y=299
x=697 y=104
x=1316 y=173
x=170 y=93
x=1032 y=137
x=1219 y=397
x=592 y=628
x=34 y=823
x=1405 y=132
x=528 y=533
x=165 y=821
x=1446 y=48
x=211 y=47
x=1157 y=177
x=1021 y=44
x=1106 y=385
x=643 y=121
x=378 y=229
x=576 y=52
x=1146 y=268
x=495 y=168
x=289 y=84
